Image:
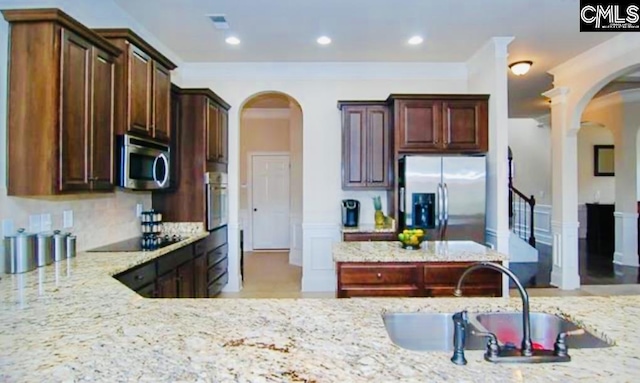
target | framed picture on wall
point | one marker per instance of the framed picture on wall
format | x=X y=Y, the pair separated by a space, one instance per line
x=603 y=161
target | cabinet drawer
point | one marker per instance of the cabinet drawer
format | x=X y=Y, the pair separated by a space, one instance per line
x=370 y=237
x=136 y=278
x=217 y=270
x=148 y=291
x=217 y=238
x=378 y=275
x=216 y=287
x=175 y=258
x=217 y=255
x=380 y=291
x=448 y=274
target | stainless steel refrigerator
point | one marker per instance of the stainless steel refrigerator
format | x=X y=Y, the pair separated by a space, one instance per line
x=445 y=195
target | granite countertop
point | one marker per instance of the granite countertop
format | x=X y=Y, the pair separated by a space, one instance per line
x=368 y=228
x=430 y=251
x=72 y=321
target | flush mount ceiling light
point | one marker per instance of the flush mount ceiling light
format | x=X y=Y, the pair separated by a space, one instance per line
x=415 y=40
x=232 y=40
x=323 y=40
x=520 y=68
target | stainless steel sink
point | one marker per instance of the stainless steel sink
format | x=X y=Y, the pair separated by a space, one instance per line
x=434 y=331
x=426 y=332
x=544 y=330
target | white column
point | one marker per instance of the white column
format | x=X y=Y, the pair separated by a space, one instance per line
x=626 y=216
x=564 y=171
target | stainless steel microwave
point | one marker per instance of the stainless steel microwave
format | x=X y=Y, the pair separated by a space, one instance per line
x=217 y=199
x=143 y=164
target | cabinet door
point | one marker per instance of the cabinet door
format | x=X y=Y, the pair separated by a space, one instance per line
x=419 y=125
x=465 y=124
x=185 y=280
x=102 y=123
x=213 y=121
x=223 y=134
x=378 y=147
x=75 y=112
x=200 y=275
x=139 y=92
x=354 y=147
x=167 y=285
x=161 y=102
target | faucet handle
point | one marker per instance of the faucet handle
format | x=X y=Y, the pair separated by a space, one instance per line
x=493 y=349
x=560 y=346
x=460 y=322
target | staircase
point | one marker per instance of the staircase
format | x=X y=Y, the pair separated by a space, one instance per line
x=522 y=242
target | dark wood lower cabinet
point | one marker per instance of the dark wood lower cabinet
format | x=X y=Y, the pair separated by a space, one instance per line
x=186 y=280
x=419 y=279
x=193 y=271
x=167 y=286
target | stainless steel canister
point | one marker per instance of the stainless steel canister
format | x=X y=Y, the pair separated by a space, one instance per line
x=59 y=245
x=20 y=255
x=71 y=245
x=44 y=249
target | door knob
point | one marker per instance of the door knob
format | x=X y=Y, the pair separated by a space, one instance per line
x=255 y=209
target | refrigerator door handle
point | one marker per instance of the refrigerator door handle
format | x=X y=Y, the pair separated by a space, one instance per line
x=446 y=202
x=402 y=201
x=440 y=205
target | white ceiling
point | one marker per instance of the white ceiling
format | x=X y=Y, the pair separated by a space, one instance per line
x=545 y=31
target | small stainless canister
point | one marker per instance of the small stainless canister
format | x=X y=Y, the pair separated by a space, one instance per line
x=44 y=249
x=20 y=253
x=71 y=245
x=59 y=246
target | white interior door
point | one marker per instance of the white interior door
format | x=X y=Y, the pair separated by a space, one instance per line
x=270 y=201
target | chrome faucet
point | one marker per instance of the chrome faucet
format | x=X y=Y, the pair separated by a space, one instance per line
x=527 y=348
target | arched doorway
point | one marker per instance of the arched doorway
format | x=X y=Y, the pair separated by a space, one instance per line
x=270 y=194
x=576 y=83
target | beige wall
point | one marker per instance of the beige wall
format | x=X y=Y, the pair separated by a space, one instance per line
x=295 y=148
x=260 y=134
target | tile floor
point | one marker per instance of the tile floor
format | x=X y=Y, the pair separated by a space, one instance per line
x=269 y=275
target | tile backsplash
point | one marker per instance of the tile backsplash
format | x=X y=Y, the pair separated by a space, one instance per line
x=98 y=219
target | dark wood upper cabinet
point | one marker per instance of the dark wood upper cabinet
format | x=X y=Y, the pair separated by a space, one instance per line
x=212 y=129
x=465 y=124
x=102 y=134
x=139 y=92
x=75 y=108
x=223 y=137
x=65 y=70
x=366 y=146
x=162 y=102
x=418 y=124
x=143 y=86
x=440 y=123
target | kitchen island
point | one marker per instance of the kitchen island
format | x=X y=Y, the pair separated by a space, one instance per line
x=72 y=321
x=379 y=268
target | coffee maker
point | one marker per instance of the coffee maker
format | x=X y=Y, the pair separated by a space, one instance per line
x=350 y=212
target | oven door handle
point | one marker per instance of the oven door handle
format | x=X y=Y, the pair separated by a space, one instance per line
x=164 y=158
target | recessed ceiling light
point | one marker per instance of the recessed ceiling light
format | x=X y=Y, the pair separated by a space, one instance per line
x=232 y=40
x=323 y=40
x=415 y=40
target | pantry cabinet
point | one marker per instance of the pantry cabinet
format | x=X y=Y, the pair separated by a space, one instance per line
x=143 y=86
x=60 y=105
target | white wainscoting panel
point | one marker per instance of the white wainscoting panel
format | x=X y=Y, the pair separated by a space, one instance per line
x=541 y=221
x=295 y=248
x=318 y=270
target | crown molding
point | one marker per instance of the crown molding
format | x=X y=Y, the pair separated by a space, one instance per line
x=323 y=70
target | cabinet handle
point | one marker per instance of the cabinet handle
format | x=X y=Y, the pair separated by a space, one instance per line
x=138 y=277
x=379 y=275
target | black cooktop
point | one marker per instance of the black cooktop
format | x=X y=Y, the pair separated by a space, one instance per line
x=137 y=244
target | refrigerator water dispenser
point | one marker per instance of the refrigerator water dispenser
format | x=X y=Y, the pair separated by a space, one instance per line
x=423 y=209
